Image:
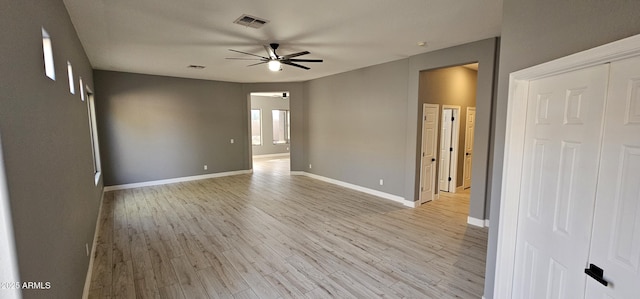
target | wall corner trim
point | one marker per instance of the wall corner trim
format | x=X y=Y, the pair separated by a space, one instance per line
x=477 y=222
x=399 y=199
x=176 y=180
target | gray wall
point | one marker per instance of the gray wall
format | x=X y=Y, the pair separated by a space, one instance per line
x=297 y=108
x=266 y=105
x=537 y=31
x=155 y=127
x=483 y=52
x=47 y=148
x=450 y=86
x=356 y=124
x=361 y=124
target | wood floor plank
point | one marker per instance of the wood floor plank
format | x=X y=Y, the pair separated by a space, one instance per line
x=147 y=287
x=272 y=235
x=161 y=263
x=189 y=282
x=225 y=272
x=256 y=281
x=171 y=292
x=247 y=294
x=213 y=285
x=102 y=266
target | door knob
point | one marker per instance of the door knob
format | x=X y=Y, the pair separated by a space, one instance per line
x=466 y=154
x=596 y=273
x=433 y=159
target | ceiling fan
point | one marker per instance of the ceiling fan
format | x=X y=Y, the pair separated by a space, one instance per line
x=274 y=60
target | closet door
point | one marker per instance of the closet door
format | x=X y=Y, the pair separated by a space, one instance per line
x=560 y=171
x=615 y=245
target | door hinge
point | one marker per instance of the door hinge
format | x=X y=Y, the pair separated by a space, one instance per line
x=425 y=118
x=451 y=149
x=453 y=118
x=449 y=179
x=423 y=154
x=421 y=188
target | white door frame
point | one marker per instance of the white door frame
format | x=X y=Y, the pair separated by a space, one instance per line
x=466 y=140
x=514 y=144
x=455 y=137
x=8 y=257
x=422 y=150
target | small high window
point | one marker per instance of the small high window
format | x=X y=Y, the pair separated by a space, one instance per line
x=81 y=88
x=256 y=127
x=72 y=85
x=47 y=50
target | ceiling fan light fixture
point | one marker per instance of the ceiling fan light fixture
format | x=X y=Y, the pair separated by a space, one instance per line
x=274 y=65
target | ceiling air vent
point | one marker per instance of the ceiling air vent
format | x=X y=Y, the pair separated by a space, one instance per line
x=250 y=21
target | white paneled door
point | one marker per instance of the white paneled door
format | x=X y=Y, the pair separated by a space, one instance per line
x=429 y=137
x=558 y=184
x=615 y=246
x=446 y=148
x=468 y=146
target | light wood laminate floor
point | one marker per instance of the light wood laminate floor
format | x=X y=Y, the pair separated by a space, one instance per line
x=272 y=235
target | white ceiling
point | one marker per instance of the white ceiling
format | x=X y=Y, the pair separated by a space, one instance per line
x=163 y=37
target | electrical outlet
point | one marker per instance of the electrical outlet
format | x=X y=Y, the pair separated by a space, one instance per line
x=205 y=167
x=309 y=166
x=232 y=141
x=381 y=182
x=86 y=246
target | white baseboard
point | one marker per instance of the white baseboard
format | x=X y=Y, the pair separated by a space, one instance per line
x=176 y=180
x=87 y=281
x=384 y=195
x=477 y=222
x=272 y=155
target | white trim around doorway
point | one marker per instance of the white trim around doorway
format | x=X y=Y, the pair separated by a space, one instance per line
x=514 y=144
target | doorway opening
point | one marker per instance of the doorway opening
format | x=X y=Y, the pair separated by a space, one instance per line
x=270 y=122
x=452 y=91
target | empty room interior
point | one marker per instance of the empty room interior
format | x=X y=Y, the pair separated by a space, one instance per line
x=327 y=149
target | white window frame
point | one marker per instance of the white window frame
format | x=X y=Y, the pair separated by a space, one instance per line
x=93 y=134
x=287 y=138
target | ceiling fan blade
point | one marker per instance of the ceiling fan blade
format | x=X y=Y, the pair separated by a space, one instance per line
x=296 y=54
x=271 y=52
x=305 y=60
x=257 y=63
x=247 y=53
x=288 y=62
x=233 y=58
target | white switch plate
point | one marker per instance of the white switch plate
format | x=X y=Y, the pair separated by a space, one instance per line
x=232 y=141
x=205 y=167
x=86 y=246
x=381 y=182
x=309 y=166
